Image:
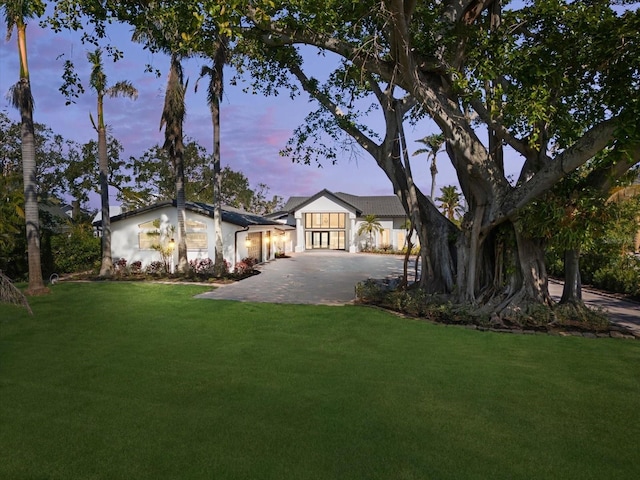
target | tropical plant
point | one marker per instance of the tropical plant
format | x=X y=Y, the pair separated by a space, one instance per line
x=450 y=202
x=370 y=225
x=164 y=243
x=17 y=12
x=434 y=143
x=98 y=82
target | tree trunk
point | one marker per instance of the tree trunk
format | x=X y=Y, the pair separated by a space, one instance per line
x=23 y=99
x=405 y=263
x=217 y=191
x=31 y=214
x=106 y=267
x=535 y=282
x=434 y=172
x=572 y=289
x=183 y=263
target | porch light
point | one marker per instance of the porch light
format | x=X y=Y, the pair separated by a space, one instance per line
x=172 y=244
x=247 y=242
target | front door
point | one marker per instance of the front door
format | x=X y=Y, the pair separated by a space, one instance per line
x=319 y=239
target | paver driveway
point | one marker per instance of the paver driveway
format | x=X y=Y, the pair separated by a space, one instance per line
x=318 y=277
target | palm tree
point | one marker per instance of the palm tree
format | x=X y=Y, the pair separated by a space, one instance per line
x=214 y=95
x=16 y=12
x=434 y=142
x=369 y=226
x=98 y=82
x=172 y=119
x=450 y=202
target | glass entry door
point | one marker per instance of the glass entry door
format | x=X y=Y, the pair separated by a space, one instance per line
x=319 y=239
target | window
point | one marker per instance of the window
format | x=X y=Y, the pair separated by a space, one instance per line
x=385 y=238
x=149 y=234
x=196 y=235
x=324 y=221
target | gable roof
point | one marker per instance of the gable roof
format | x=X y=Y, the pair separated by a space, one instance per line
x=300 y=202
x=231 y=215
x=379 y=205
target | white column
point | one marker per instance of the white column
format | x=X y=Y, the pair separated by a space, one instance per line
x=299 y=234
x=352 y=234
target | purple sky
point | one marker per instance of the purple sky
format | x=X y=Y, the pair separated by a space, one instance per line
x=254 y=128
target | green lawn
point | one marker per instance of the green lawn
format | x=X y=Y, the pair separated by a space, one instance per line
x=142 y=381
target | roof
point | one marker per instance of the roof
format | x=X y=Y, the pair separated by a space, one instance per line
x=231 y=215
x=378 y=205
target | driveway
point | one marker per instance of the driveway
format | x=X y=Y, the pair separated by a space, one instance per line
x=329 y=277
x=318 y=277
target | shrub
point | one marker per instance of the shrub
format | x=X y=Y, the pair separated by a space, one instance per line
x=622 y=275
x=76 y=251
x=155 y=268
x=245 y=266
x=136 y=267
x=121 y=266
x=205 y=267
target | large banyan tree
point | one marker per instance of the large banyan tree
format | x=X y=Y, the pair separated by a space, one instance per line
x=543 y=86
x=548 y=85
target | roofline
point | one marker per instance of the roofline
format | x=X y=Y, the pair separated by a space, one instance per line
x=193 y=207
x=324 y=192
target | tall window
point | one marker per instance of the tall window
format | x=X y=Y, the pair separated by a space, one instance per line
x=324 y=221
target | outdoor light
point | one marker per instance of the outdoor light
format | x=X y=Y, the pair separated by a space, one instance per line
x=172 y=244
x=247 y=242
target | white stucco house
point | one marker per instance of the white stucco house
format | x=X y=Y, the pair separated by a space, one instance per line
x=331 y=221
x=243 y=234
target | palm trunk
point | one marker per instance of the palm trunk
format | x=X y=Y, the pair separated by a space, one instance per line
x=106 y=267
x=183 y=263
x=217 y=192
x=31 y=215
x=24 y=100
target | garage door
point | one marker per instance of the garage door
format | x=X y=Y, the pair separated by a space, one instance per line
x=255 y=248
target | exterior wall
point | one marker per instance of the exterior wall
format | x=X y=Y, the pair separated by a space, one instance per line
x=377 y=237
x=125 y=238
x=324 y=205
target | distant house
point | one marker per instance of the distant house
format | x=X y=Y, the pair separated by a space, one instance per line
x=243 y=234
x=331 y=221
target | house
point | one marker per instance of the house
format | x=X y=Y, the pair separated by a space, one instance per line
x=331 y=221
x=134 y=233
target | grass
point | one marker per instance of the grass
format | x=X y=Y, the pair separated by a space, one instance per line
x=136 y=380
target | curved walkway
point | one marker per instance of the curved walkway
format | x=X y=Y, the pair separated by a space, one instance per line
x=329 y=277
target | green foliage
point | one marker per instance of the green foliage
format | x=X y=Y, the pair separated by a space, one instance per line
x=606 y=259
x=76 y=250
x=621 y=274
x=153 y=177
x=450 y=204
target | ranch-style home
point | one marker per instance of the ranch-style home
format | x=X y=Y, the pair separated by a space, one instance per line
x=331 y=221
x=135 y=233
x=326 y=220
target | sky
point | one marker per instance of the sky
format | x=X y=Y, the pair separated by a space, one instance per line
x=254 y=128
